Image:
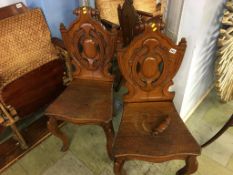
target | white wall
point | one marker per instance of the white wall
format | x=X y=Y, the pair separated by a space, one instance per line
x=174 y=11
x=8 y=2
x=199 y=24
x=56 y=12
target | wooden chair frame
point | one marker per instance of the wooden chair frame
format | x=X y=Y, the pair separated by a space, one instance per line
x=148 y=65
x=91 y=48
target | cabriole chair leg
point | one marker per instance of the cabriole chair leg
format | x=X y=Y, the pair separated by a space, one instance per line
x=53 y=128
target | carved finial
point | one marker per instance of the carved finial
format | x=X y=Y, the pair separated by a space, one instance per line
x=84 y=10
x=183 y=43
x=62 y=26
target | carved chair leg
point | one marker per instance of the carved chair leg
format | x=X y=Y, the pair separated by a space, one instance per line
x=118 y=167
x=109 y=132
x=190 y=167
x=53 y=128
x=221 y=132
x=19 y=137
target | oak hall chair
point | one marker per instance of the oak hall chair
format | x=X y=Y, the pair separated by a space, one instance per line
x=88 y=99
x=151 y=129
x=27 y=57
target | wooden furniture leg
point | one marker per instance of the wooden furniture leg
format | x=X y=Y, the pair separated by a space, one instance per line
x=118 y=166
x=109 y=132
x=53 y=128
x=190 y=167
x=19 y=137
x=216 y=136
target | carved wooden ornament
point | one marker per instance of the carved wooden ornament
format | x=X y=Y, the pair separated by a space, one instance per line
x=153 y=60
x=86 y=40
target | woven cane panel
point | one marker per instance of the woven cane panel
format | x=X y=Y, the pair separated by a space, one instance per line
x=145 y=5
x=108 y=8
x=25 y=45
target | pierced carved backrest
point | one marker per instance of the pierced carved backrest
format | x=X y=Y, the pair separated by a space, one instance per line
x=149 y=64
x=90 y=45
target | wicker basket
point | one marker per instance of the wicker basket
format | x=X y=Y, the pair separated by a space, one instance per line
x=25 y=45
x=145 y=5
x=108 y=8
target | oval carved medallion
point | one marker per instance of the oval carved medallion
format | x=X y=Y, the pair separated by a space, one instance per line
x=89 y=48
x=150 y=67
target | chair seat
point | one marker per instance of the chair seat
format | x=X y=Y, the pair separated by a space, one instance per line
x=84 y=101
x=134 y=138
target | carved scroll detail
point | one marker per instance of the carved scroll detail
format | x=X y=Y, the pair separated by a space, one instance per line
x=149 y=64
x=90 y=45
x=146 y=65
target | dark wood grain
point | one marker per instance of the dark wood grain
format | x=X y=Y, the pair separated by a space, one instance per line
x=131 y=21
x=12 y=10
x=35 y=89
x=88 y=98
x=151 y=128
x=28 y=94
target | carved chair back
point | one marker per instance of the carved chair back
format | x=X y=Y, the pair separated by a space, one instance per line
x=128 y=19
x=90 y=45
x=149 y=64
x=131 y=21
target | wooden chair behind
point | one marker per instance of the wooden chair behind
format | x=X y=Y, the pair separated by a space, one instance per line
x=131 y=21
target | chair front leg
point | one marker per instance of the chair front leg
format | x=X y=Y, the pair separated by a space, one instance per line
x=109 y=132
x=190 y=167
x=19 y=137
x=118 y=167
x=53 y=128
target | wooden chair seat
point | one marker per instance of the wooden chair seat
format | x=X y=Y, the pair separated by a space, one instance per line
x=135 y=136
x=84 y=101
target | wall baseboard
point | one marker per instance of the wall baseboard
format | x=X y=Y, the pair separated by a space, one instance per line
x=198 y=103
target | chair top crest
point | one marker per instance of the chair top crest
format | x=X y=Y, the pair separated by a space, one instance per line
x=149 y=64
x=90 y=45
